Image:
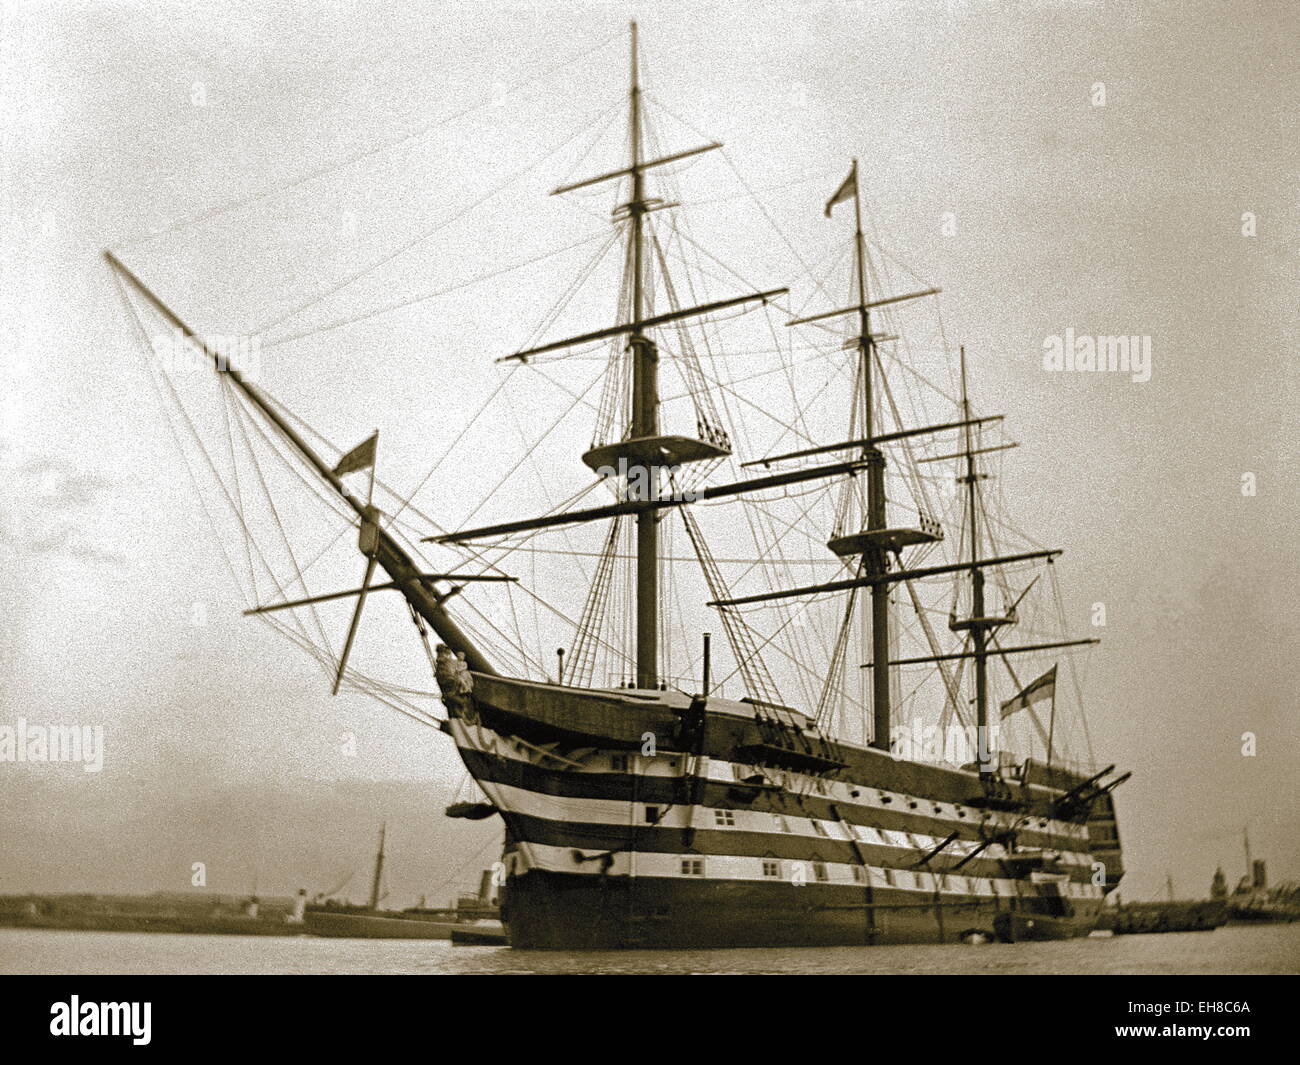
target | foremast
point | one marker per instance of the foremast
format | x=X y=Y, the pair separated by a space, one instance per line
x=638 y=458
x=645 y=410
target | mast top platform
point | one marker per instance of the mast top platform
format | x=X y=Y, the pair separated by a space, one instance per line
x=891 y=540
x=971 y=624
x=653 y=451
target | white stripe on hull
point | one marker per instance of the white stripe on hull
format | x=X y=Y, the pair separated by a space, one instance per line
x=564 y=809
x=561 y=808
x=742 y=867
x=670 y=766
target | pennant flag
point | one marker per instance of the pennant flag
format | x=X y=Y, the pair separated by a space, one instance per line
x=846 y=191
x=359 y=458
x=1043 y=688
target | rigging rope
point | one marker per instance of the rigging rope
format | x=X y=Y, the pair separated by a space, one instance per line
x=424 y=235
x=413 y=300
x=248 y=201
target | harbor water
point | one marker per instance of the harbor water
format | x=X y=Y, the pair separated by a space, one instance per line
x=1234 y=949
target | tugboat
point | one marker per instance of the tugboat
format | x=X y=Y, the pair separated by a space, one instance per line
x=346 y=921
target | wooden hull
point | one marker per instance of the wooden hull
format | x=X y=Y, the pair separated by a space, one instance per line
x=647 y=821
x=549 y=911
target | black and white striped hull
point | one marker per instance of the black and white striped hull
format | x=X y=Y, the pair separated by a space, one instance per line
x=611 y=848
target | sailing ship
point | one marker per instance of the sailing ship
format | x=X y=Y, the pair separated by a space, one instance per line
x=647 y=810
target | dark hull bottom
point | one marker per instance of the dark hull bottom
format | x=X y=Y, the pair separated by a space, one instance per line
x=1245 y=916
x=1148 y=917
x=558 y=911
x=479 y=937
x=368 y=926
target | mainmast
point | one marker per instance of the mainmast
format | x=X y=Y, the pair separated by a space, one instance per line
x=876 y=559
x=876 y=541
x=873 y=542
x=643 y=481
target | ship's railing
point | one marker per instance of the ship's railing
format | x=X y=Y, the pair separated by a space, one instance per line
x=685 y=685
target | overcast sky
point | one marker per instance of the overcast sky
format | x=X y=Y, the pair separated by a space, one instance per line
x=988 y=166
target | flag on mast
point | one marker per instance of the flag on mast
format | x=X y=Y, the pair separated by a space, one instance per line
x=359 y=458
x=1043 y=688
x=846 y=191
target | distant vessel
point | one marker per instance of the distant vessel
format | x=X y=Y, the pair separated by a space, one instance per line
x=646 y=810
x=1254 y=901
x=175 y=912
x=343 y=920
x=1171 y=915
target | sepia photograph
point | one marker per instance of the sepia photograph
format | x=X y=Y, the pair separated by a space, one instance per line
x=678 y=487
